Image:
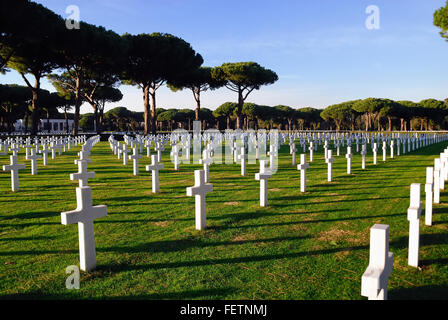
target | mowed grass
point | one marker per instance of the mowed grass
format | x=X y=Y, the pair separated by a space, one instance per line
x=313 y=245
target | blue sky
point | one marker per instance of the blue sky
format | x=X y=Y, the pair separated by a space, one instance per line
x=321 y=49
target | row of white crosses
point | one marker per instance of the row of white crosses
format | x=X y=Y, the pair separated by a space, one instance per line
x=31 y=151
x=374 y=279
x=394 y=141
x=85 y=213
x=156 y=164
x=263 y=176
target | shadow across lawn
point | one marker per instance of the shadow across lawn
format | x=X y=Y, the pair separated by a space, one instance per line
x=211 y=262
x=185 y=244
x=307 y=221
x=419 y=293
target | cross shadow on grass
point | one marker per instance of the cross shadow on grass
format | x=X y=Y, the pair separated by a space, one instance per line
x=419 y=293
x=425 y=240
x=211 y=262
x=31 y=215
x=307 y=221
x=185 y=244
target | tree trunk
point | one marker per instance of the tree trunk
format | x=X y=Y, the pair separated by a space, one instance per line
x=95 y=117
x=99 y=127
x=35 y=105
x=66 y=120
x=48 y=120
x=239 y=109
x=146 y=109
x=390 y=123
x=25 y=119
x=153 y=112
x=78 y=103
x=197 y=97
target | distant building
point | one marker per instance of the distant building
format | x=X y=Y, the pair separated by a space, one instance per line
x=47 y=126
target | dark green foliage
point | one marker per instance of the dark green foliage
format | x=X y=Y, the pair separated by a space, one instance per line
x=151 y=61
x=243 y=78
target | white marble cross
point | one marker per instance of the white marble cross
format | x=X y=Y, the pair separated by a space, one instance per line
x=206 y=161
x=84 y=215
x=437 y=180
x=124 y=151
x=384 y=150
x=311 y=149
x=44 y=152
x=363 y=156
x=273 y=156
x=326 y=148
x=175 y=154
x=349 y=156
x=375 y=278
x=392 y=149
x=27 y=147
x=303 y=166
x=428 y=192
x=154 y=168
x=292 y=151
x=135 y=156
x=186 y=151
x=114 y=145
x=329 y=160
x=33 y=157
x=59 y=146
x=263 y=177
x=84 y=155
x=199 y=190
x=14 y=167
x=53 y=149
x=442 y=171
x=159 y=148
x=414 y=212
x=375 y=150
x=148 y=148
x=242 y=157
x=82 y=175
x=15 y=149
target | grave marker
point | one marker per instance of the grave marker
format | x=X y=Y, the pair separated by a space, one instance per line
x=429 y=195
x=303 y=166
x=263 y=177
x=375 y=278
x=84 y=215
x=199 y=190
x=14 y=167
x=414 y=212
x=154 y=168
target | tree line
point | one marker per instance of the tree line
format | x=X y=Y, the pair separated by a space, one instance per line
x=366 y=114
x=85 y=64
x=89 y=63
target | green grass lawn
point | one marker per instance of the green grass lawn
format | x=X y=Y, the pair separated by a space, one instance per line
x=303 y=246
